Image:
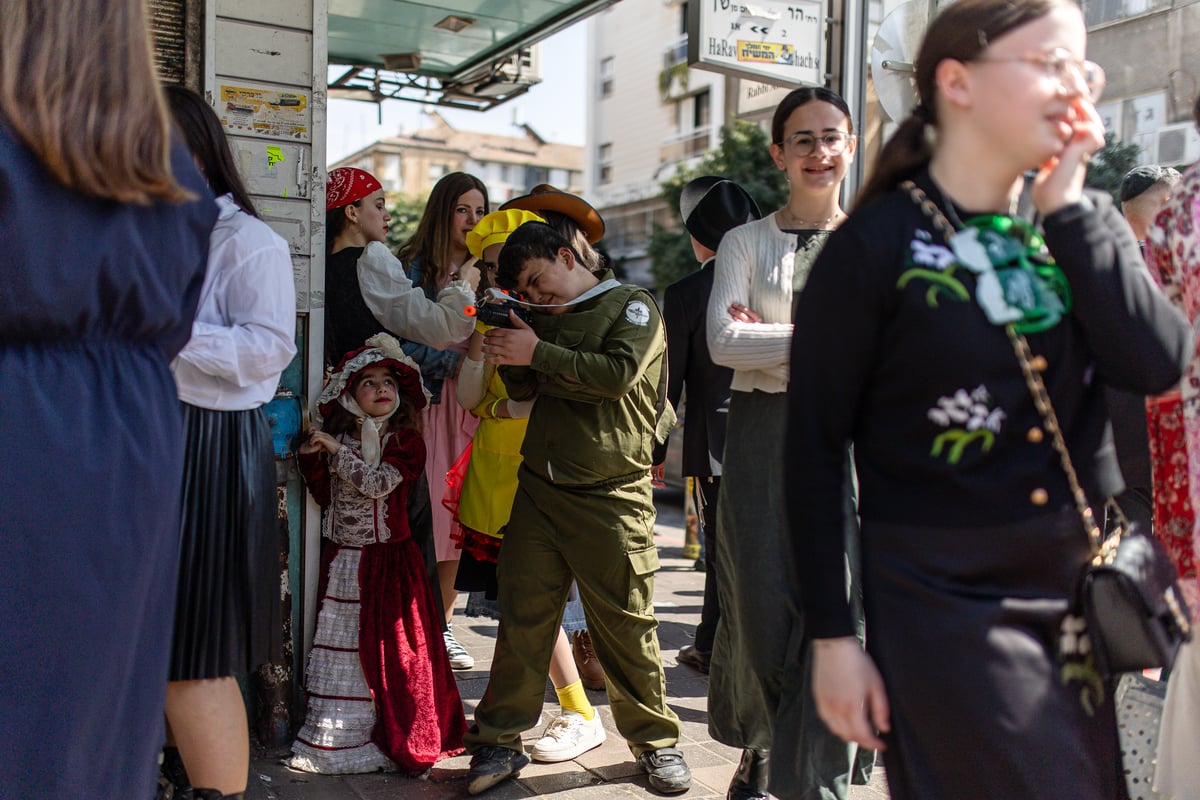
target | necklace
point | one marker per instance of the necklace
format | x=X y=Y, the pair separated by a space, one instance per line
x=815 y=224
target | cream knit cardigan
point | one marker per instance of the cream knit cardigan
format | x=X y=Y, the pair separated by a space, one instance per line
x=755 y=269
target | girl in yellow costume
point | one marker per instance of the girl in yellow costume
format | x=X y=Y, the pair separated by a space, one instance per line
x=487 y=492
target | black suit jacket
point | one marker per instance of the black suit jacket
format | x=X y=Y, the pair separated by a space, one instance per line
x=685 y=306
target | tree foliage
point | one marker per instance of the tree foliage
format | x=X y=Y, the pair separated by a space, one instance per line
x=744 y=157
x=405 y=215
x=1108 y=166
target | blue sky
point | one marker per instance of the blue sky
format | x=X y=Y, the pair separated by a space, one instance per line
x=554 y=107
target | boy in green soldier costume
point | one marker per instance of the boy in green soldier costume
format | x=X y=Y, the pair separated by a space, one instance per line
x=593 y=358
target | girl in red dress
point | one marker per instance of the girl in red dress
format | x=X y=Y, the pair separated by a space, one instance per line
x=381 y=694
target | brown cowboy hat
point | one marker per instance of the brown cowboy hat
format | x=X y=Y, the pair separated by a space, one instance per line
x=545 y=197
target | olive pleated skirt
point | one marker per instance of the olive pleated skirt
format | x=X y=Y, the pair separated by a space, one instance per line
x=227 y=607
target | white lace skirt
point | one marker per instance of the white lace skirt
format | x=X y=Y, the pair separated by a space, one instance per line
x=336 y=737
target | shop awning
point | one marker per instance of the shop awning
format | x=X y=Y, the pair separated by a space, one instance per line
x=462 y=53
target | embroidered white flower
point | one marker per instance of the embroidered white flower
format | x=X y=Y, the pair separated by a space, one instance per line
x=1077 y=663
x=931 y=255
x=971 y=410
x=969 y=417
x=1073 y=638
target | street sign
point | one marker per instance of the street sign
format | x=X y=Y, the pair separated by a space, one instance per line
x=778 y=41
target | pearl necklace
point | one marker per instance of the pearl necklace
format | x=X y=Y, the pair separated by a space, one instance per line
x=815 y=224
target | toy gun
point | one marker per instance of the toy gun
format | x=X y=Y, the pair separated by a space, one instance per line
x=496 y=313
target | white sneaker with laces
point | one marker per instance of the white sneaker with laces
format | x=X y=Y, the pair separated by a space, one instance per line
x=568 y=736
x=459 y=657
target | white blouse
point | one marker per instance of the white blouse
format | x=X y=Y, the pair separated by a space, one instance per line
x=243 y=335
x=402 y=308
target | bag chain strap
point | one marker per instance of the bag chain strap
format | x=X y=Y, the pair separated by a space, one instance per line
x=1103 y=549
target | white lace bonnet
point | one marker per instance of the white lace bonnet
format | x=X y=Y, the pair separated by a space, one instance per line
x=380 y=349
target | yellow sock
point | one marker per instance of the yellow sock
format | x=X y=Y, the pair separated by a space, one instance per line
x=574 y=698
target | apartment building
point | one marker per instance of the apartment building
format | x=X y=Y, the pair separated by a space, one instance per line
x=1148 y=49
x=647 y=114
x=411 y=163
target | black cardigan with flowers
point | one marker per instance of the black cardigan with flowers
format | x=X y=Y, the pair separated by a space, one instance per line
x=929 y=391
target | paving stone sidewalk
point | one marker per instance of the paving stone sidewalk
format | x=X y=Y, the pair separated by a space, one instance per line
x=608 y=771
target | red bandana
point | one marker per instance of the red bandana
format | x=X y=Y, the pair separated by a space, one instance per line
x=347 y=184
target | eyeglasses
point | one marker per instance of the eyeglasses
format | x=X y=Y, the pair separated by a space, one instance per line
x=1059 y=63
x=805 y=144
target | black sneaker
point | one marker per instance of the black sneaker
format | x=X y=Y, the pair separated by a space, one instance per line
x=668 y=771
x=491 y=764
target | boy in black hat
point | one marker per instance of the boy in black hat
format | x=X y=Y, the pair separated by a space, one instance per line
x=710 y=206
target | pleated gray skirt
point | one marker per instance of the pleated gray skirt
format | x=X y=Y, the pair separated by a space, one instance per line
x=227 y=616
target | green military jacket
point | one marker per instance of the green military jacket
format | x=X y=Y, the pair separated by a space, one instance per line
x=597 y=374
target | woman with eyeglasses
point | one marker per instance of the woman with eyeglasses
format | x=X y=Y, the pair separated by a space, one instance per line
x=980 y=679
x=757 y=678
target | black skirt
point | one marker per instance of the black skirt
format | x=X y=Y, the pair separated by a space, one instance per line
x=227 y=613
x=964 y=625
x=475 y=575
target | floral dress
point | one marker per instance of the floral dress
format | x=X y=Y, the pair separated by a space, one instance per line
x=1173 y=256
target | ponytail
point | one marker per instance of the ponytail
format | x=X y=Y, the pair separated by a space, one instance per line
x=904 y=155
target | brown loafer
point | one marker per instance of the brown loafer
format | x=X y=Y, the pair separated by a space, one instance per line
x=694 y=657
x=590 y=671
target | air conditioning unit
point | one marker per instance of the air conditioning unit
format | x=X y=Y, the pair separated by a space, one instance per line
x=518 y=71
x=1177 y=144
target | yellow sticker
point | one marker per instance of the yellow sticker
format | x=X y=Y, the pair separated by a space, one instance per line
x=274 y=155
x=766 y=52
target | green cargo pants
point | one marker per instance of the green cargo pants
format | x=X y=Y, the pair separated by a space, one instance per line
x=602 y=536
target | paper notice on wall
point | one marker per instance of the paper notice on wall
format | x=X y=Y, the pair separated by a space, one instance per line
x=264 y=111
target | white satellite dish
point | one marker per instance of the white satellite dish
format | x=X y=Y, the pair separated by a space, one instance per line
x=892 y=55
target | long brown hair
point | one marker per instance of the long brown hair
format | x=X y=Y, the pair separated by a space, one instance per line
x=961 y=31
x=77 y=85
x=432 y=241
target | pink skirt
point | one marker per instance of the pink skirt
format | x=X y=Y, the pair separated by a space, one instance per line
x=448 y=429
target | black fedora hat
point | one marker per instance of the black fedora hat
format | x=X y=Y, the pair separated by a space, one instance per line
x=711 y=206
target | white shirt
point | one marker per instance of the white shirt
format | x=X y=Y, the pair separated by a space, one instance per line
x=404 y=309
x=244 y=332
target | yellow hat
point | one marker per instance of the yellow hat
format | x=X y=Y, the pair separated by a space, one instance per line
x=496 y=227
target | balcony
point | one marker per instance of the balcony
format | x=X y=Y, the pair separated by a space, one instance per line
x=673 y=80
x=676 y=53
x=684 y=146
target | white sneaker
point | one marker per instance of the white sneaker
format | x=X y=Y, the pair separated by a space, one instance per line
x=459 y=657
x=568 y=736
